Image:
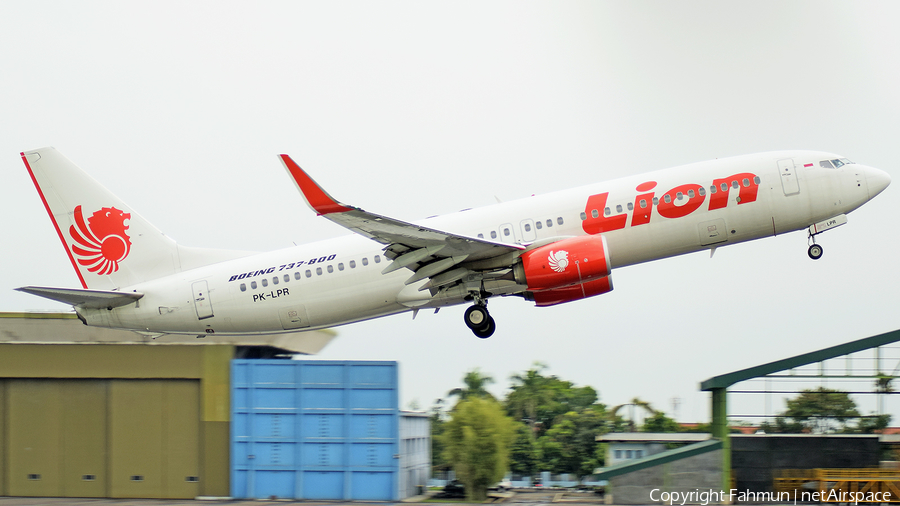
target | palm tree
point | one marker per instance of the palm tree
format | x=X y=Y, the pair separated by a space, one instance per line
x=528 y=394
x=632 y=425
x=475 y=386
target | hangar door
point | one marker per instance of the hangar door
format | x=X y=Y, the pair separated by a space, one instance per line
x=100 y=438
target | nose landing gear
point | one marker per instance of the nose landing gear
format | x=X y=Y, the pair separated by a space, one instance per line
x=479 y=320
x=814 y=251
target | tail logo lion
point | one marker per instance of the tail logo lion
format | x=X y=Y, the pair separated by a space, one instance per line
x=101 y=242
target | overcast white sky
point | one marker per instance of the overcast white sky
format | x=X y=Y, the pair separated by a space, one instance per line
x=412 y=109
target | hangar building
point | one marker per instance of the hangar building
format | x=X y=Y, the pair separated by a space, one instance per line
x=89 y=412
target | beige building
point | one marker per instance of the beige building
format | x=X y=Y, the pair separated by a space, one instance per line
x=88 y=412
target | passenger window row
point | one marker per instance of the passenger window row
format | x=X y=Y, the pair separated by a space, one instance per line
x=297 y=275
x=538 y=224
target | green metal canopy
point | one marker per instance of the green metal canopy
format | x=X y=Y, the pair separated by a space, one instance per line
x=726 y=380
x=658 y=459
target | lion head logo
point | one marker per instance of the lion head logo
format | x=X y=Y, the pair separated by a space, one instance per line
x=559 y=260
x=101 y=243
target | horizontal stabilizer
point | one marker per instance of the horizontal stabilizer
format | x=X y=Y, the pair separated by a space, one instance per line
x=84 y=298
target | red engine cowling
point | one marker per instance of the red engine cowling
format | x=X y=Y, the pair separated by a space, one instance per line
x=570 y=293
x=564 y=263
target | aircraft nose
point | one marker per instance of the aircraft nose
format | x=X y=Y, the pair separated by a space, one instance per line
x=877 y=181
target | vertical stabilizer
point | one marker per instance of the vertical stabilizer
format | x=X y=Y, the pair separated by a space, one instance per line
x=109 y=244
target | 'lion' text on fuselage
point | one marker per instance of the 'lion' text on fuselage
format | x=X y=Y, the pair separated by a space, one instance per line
x=596 y=220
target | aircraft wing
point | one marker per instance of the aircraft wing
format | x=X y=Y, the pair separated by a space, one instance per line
x=83 y=298
x=426 y=251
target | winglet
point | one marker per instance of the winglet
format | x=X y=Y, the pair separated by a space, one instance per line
x=317 y=198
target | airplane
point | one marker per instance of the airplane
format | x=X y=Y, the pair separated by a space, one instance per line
x=547 y=249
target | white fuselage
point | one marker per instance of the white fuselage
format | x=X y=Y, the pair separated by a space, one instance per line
x=338 y=281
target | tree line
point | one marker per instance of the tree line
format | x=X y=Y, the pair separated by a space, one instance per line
x=825 y=411
x=545 y=423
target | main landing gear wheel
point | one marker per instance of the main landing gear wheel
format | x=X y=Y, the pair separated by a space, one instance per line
x=815 y=252
x=479 y=321
x=487 y=331
x=476 y=316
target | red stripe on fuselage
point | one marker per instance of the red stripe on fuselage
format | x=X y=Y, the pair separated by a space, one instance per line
x=53 y=219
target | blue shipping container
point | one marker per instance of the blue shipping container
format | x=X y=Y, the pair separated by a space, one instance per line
x=314 y=429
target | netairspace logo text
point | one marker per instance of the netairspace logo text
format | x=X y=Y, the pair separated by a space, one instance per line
x=733 y=496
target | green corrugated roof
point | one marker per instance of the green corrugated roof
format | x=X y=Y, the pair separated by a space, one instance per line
x=658 y=459
x=726 y=380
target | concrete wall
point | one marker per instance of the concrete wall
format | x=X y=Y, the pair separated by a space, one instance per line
x=702 y=472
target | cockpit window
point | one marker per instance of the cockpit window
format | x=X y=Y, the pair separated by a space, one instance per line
x=840 y=162
x=834 y=164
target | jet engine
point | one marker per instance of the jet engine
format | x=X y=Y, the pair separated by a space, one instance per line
x=564 y=263
x=566 y=270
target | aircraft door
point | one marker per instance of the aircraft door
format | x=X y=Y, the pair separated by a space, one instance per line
x=202 y=302
x=528 y=233
x=507 y=233
x=788 y=176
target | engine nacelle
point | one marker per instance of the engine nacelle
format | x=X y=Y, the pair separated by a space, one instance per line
x=570 y=293
x=568 y=262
